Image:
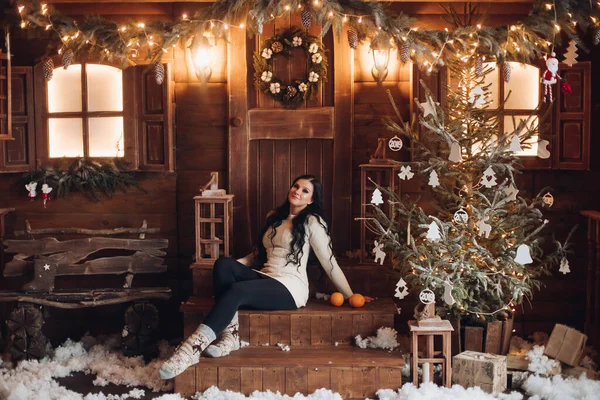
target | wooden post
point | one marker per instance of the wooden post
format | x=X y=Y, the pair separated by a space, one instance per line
x=3 y=212
x=592 y=312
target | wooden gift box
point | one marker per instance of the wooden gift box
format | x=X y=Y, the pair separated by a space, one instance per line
x=566 y=345
x=488 y=371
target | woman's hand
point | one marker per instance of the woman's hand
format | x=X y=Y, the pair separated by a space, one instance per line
x=368 y=299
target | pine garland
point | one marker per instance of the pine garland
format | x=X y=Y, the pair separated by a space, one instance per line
x=524 y=41
x=86 y=176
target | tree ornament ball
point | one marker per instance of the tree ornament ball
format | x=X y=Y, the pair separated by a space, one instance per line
x=356 y=300
x=336 y=299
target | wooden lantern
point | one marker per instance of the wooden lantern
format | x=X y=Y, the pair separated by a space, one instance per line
x=214 y=225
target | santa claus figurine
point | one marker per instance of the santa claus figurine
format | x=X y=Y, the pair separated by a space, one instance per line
x=550 y=76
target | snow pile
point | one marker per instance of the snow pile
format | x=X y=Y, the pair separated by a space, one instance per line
x=385 y=339
x=213 y=393
x=539 y=363
x=434 y=392
x=558 y=388
x=31 y=379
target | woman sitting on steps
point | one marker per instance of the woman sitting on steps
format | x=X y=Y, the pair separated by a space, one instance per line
x=283 y=247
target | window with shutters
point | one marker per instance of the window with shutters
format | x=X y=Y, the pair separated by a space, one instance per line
x=90 y=110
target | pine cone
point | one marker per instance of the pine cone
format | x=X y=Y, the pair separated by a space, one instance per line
x=596 y=36
x=506 y=71
x=290 y=92
x=405 y=52
x=67 y=58
x=352 y=38
x=159 y=73
x=306 y=20
x=48 y=68
x=277 y=47
x=479 y=67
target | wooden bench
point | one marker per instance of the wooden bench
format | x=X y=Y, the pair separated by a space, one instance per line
x=47 y=258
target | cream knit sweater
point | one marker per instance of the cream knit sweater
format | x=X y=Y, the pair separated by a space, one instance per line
x=293 y=276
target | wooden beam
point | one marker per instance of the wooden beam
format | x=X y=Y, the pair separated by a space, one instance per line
x=209 y=1
x=308 y=123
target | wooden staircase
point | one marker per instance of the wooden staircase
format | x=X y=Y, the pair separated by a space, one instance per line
x=322 y=352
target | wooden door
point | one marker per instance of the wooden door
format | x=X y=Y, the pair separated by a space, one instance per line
x=269 y=145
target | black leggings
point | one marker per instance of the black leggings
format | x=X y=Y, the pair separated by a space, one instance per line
x=236 y=285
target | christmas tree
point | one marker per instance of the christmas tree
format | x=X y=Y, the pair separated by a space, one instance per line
x=476 y=258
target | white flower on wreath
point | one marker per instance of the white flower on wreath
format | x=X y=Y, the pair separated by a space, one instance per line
x=275 y=88
x=313 y=48
x=266 y=76
x=313 y=76
x=297 y=41
x=302 y=87
x=267 y=53
x=317 y=58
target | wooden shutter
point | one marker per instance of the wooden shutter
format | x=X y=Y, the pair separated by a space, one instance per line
x=572 y=121
x=154 y=120
x=17 y=155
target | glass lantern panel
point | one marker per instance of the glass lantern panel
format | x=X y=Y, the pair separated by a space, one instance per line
x=64 y=90
x=65 y=136
x=106 y=137
x=105 y=88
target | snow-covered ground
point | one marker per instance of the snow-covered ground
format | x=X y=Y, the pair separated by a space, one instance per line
x=100 y=357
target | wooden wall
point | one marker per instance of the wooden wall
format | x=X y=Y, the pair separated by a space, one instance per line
x=201 y=135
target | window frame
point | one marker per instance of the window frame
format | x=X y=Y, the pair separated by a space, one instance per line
x=42 y=115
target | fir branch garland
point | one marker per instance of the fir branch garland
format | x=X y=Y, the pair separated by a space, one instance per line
x=523 y=41
x=86 y=176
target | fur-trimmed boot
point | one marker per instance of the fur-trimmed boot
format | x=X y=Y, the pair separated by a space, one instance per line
x=188 y=352
x=228 y=340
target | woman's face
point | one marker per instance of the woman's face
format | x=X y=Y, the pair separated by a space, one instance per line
x=301 y=194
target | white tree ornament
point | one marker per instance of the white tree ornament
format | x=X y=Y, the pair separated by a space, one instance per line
x=489 y=178
x=564 y=266
x=428 y=107
x=405 y=173
x=484 y=227
x=542 y=151
x=46 y=193
x=511 y=192
x=433 y=233
x=401 y=289
x=523 y=256
x=515 y=144
x=434 y=180
x=571 y=54
x=548 y=199
x=448 y=293
x=395 y=143
x=461 y=216
x=426 y=296
x=477 y=97
x=379 y=253
x=455 y=153
x=377 y=197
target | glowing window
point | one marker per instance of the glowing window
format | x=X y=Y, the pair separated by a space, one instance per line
x=85 y=112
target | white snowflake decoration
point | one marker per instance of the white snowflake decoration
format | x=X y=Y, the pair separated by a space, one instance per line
x=401 y=289
x=275 y=88
x=267 y=53
x=313 y=76
x=317 y=58
x=266 y=76
x=297 y=41
x=313 y=48
x=564 y=266
x=302 y=87
x=405 y=173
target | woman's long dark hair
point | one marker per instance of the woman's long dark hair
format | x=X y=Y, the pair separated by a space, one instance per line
x=282 y=212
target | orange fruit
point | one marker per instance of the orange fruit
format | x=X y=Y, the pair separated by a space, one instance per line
x=336 y=299
x=356 y=300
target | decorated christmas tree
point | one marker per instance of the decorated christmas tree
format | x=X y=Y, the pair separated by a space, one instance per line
x=491 y=251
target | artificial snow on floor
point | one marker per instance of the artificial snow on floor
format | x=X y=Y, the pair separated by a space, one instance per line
x=100 y=357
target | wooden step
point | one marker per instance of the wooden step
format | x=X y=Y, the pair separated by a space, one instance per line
x=350 y=371
x=317 y=324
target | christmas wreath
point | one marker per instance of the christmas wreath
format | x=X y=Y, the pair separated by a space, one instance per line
x=290 y=94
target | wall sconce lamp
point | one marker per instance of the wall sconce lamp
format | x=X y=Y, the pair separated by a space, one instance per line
x=380 y=46
x=202 y=57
